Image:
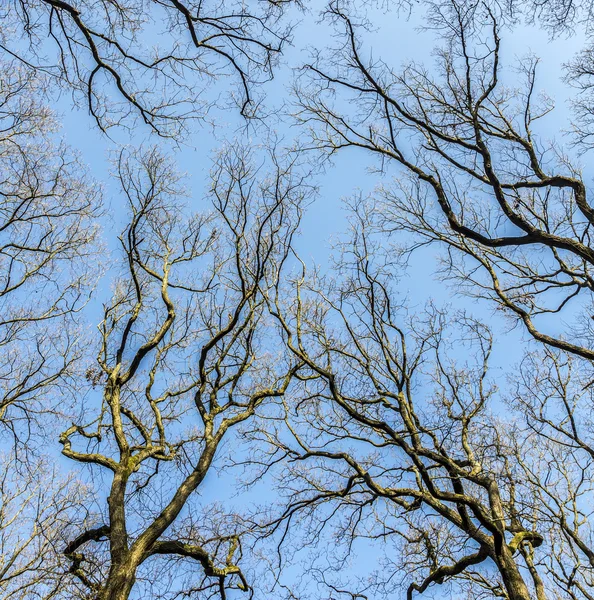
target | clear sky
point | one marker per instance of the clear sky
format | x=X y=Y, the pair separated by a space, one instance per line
x=398 y=40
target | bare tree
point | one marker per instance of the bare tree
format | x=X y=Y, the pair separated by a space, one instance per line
x=513 y=216
x=512 y=212
x=554 y=454
x=184 y=359
x=96 y=48
x=37 y=509
x=391 y=424
x=393 y=437
x=47 y=203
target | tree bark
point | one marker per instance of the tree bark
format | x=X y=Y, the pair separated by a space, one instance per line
x=120 y=582
x=510 y=574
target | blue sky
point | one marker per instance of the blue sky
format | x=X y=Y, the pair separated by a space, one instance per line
x=396 y=41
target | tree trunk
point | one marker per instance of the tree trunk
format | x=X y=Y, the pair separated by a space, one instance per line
x=120 y=582
x=512 y=579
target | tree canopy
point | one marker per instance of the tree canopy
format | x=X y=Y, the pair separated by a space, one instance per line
x=297 y=300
